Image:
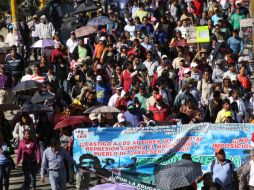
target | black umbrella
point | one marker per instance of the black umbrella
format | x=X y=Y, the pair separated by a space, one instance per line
x=27 y=85
x=32 y=108
x=179 y=174
x=85 y=7
x=42 y=97
x=7 y=107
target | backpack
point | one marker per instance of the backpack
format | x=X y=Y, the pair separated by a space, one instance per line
x=231 y=169
x=230 y=165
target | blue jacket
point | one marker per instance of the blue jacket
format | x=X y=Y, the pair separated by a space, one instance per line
x=133 y=116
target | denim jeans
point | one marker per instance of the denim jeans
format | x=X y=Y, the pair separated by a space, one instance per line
x=5 y=170
x=29 y=169
x=42 y=147
x=57 y=179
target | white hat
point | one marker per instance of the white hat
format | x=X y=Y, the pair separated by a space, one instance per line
x=186 y=71
x=93 y=116
x=242 y=59
x=99 y=78
x=43 y=17
x=164 y=57
x=238 y=1
x=103 y=38
x=193 y=64
x=121 y=118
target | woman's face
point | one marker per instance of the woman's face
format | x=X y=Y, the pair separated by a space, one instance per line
x=242 y=71
x=118 y=70
x=226 y=83
x=24 y=119
x=27 y=135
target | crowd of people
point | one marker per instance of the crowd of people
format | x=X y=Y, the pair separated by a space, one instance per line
x=140 y=63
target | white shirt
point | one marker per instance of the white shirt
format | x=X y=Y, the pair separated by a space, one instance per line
x=130 y=29
x=251 y=182
x=71 y=44
x=35 y=32
x=10 y=39
x=26 y=77
x=151 y=67
x=114 y=97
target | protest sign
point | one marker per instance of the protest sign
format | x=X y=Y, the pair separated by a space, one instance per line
x=202 y=34
x=198 y=34
x=191 y=35
x=133 y=155
x=246 y=30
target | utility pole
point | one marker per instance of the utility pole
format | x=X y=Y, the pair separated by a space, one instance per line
x=15 y=23
x=42 y=4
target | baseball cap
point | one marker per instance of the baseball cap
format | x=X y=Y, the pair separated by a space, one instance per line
x=242 y=59
x=193 y=64
x=164 y=57
x=158 y=97
x=99 y=78
x=218 y=150
x=121 y=118
x=118 y=87
x=228 y=114
x=186 y=71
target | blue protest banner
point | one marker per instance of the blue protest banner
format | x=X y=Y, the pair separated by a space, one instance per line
x=136 y=154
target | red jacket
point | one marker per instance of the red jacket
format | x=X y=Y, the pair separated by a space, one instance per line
x=245 y=82
x=159 y=115
x=199 y=7
x=28 y=154
x=126 y=80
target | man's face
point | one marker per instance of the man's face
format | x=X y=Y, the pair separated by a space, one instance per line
x=154 y=93
x=136 y=61
x=87 y=162
x=13 y=52
x=232 y=68
x=206 y=76
x=235 y=34
x=81 y=42
x=56 y=147
x=221 y=155
x=226 y=106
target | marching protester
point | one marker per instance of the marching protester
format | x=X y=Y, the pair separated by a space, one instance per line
x=29 y=153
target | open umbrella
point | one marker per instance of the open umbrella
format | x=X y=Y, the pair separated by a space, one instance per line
x=7 y=107
x=71 y=121
x=27 y=85
x=43 y=43
x=41 y=97
x=102 y=109
x=99 y=21
x=85 y=7
x=35 y=108
x=85 y=30
x=179 y=174
x=113 y=186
